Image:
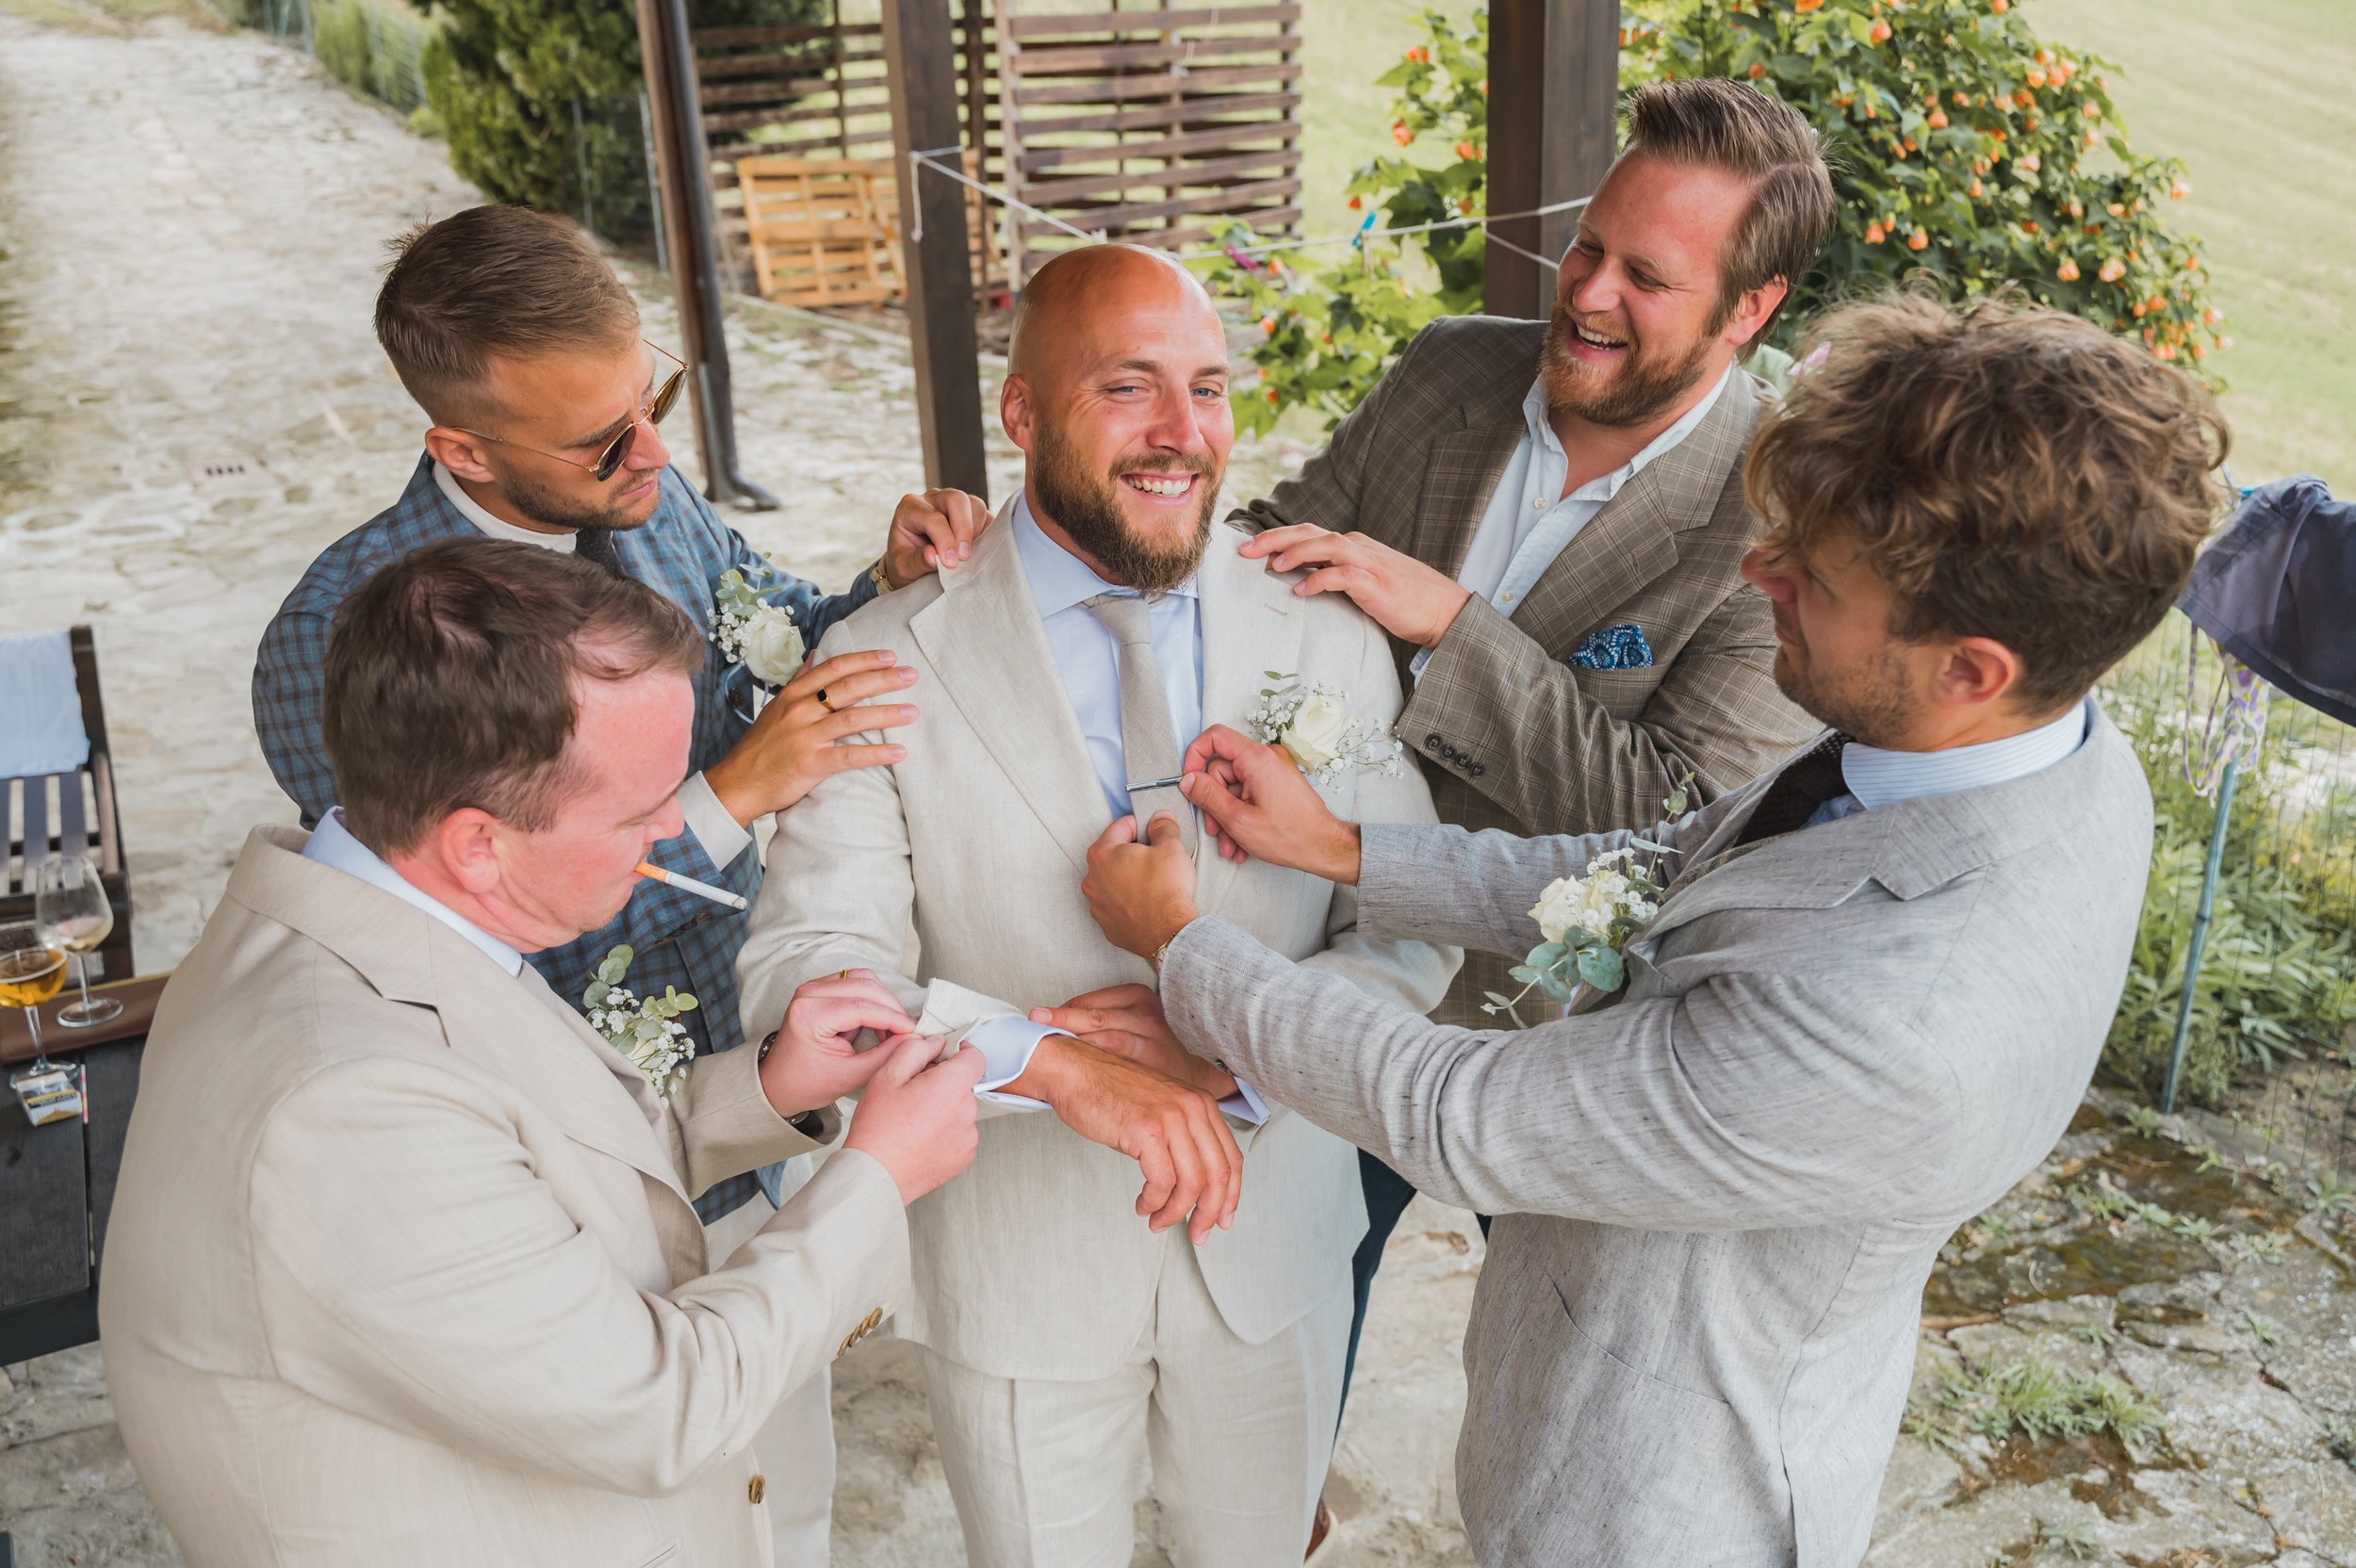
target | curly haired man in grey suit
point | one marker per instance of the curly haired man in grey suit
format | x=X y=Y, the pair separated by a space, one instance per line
x=1866 y=1005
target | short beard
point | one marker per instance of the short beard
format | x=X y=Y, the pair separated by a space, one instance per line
x=1874 y=705
x=1645 y=384
x=551 y=510
x=1088 y=508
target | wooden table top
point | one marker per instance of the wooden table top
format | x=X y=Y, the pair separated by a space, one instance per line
x=137 y=996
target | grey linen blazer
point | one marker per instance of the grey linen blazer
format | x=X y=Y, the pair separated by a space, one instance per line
x=1511 y=733
x=1721 y=1194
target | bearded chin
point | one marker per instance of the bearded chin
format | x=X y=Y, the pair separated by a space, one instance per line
x=1643 y=386
x=1087 y=508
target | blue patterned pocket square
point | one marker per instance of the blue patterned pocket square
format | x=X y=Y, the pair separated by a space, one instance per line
x=1615 y=647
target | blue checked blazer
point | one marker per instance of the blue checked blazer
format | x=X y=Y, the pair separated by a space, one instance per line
x=680 y=552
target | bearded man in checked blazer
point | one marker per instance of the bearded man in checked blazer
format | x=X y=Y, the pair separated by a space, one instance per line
x=523 y=348
x=1548 y=517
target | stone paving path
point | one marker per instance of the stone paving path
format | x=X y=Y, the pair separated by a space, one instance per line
x=190 y=226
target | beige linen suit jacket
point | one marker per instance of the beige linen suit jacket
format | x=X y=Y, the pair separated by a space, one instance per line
x=1720 y=1195
x=402 y=1269
x=1512 y=733
x=1033 y=1264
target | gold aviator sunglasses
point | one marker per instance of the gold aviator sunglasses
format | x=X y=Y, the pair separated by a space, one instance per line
x=616 y=449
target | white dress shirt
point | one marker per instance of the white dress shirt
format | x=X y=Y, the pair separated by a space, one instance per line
x=1529 y=520
x=719 y=834
x=1089 y=661
x=1877 y=777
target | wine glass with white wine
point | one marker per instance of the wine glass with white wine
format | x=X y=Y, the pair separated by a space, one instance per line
x=32 y=970
x=71 y=906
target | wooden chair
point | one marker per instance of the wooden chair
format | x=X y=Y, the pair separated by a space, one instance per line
x=70 y=813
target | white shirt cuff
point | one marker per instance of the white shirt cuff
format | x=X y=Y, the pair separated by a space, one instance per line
x=1006 y=1045
x=1422 y=662
x=1245 y=1104
x=722 y=836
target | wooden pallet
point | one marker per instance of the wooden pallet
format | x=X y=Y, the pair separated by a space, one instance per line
x=820 y=232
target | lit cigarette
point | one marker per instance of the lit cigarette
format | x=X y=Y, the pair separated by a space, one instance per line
x=689 y=885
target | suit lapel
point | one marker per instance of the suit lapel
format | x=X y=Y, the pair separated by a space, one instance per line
x=1248 y=628
x=512 y=1026
x=1632 y=540
x=1466 y=466
x=983 y=643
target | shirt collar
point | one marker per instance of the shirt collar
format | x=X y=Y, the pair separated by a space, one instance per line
x=1878 y=777
x=1534 y=413
x=1061 y=579
x=332 y=844
x=496 y=528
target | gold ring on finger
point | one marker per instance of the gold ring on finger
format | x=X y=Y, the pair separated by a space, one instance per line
x=842 y=974
x=824 y=703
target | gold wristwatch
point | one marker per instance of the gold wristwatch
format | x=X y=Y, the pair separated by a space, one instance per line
x=881 y=578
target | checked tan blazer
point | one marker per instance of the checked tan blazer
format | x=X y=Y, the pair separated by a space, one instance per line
x=1511 y=733
x=402 y=1269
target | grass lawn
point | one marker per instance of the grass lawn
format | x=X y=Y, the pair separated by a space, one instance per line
x=2254 y=96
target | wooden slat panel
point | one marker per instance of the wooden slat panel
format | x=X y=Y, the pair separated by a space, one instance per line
x=1025 y=27
x=816 y=63
x=1058 y=194
x=746 y=119
x=1168 y=84
x=1216 y=139
x=733 y=38
x=772 y=89
x=1145 y=116
x=1071 y=60
x=1235 y=199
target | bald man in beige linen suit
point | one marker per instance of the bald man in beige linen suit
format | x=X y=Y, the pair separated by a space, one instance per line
x=403 y=1268
x=1066 y=1341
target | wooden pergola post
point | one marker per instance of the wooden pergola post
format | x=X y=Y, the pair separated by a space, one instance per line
x=920 y=55
x=1554 y=88
x=686 y=223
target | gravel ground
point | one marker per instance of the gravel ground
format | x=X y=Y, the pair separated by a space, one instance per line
x=189 y=232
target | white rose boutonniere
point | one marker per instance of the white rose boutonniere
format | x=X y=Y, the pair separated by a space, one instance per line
x=1589 y=921
x=1311 y=721
x=649 y=1032
x=755 y=634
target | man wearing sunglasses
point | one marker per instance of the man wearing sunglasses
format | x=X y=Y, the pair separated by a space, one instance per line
x=525 y=352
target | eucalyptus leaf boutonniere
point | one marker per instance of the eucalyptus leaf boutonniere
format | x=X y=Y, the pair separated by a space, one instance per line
x=1312 y=721
x=1589 y=921
x=649 y=1032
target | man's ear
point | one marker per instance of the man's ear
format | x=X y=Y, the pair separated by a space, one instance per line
x=465 y=846
x=1751 y=311
x=1017 y=414
x=461 y=454
x=1978 y=671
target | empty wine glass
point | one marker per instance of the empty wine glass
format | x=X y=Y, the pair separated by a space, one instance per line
x=71 y=906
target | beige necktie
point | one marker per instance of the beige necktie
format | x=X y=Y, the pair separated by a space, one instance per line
x=1148 y=741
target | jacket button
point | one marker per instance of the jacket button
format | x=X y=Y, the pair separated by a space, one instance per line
x=1432 y=741
x=756 y=1489
x=1477 y=768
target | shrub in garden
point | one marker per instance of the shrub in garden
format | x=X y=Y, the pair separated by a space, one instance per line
x=2277 y=974
x=1970 y=155
x=539 y=98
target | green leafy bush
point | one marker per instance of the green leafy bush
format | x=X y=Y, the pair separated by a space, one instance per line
x=2278 y=972
x=371 y=49
x=1970 y=155
x=539 y=98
